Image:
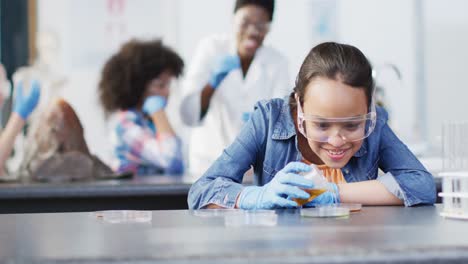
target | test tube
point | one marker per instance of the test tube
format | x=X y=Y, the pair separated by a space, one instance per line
x=455 y=169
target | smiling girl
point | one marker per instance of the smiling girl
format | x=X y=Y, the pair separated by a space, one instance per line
x=329 y=120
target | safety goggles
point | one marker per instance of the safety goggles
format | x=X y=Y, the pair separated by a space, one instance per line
x=243 y=24
x=349 y=129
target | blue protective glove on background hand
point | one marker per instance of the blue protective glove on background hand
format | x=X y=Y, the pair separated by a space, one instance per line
x=24 y=104
x=331 y=196
x=278 y=193
x=222 y=68
x=153 y=104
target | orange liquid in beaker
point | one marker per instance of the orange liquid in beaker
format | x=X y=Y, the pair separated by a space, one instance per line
x=313 y=193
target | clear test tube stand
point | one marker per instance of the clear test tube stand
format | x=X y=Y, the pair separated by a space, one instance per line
x=455 y=170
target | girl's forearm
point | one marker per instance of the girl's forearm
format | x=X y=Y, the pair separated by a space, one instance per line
x=367 y=193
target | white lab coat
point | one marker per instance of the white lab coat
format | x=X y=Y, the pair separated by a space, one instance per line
x=266 y=78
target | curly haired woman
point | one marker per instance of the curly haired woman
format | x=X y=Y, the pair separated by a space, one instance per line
x=135 y=85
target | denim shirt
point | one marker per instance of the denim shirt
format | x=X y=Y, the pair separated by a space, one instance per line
x=268 y=142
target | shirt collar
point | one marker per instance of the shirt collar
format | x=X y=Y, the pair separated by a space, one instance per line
x=284 y=126
x=362 y=151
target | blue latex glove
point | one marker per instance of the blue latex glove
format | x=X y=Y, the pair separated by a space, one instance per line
x=222 y=68
x=331 y=196
x=279 y=191
x=24 y=105
x=153 y=104
x=246 y=116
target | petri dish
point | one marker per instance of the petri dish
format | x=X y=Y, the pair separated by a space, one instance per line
x=125 y=216
x=213 y=212
x=251 y=218
x=353 y=207
x=325 y=211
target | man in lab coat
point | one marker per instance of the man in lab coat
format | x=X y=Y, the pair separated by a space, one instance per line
x=228 y=75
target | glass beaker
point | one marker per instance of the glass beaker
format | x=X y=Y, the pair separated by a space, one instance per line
x=320 y=185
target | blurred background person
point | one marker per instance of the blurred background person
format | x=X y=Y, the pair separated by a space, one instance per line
x=228 y=74
x=44 y=69
x=24 y=103
x=4 y=91
x=135 y=85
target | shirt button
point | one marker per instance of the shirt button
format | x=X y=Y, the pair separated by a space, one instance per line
x=346 y=171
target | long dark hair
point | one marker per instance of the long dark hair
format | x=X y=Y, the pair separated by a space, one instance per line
x=336 y=62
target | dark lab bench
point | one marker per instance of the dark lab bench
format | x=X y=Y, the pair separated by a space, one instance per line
x=143 y=193
x=392 y=234
x=157 y=192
